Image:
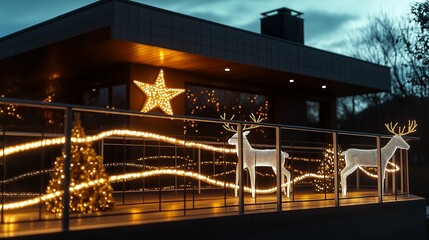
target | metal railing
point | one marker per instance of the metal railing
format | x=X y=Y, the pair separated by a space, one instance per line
x=282 y=142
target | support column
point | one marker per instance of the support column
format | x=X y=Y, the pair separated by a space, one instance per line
x=199 y=170
x=379 y=172
x=68 y=121
x=336 y=187
x=240 y=169
x=279 y=168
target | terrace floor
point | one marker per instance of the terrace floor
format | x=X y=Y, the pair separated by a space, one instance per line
x=136 y=209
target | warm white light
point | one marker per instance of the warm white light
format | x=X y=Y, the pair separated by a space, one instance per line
x=158 y=95
x=323 y=86
x=227 y=69
x=144 y=174
x=291 y=80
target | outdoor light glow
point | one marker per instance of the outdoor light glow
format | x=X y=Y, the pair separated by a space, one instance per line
x=356 y=158
x=323 y=86
x=131 y=133
x=227 y=69
x=158 y=95
x=145 y=174
x=153 y=172
x=291 y=81
x=128 y=133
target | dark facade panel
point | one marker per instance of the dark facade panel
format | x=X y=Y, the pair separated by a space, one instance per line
x=58 y=29
x=151 y=26
x=259 y=50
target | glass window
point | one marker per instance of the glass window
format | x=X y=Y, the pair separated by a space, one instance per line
x=119 y=96
x=110 y=97
x=212 y=102
x=313 y=114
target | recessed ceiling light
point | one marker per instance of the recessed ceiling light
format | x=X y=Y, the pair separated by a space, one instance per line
x=291 y=80
x=323 y=86
x=227 y=69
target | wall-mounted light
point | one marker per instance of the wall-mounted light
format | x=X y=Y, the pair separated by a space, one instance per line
x=323 y=86
x=158 y=95
x=291 y=80
x=227 y=69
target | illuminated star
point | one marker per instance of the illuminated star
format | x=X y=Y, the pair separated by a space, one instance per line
x=158 y=95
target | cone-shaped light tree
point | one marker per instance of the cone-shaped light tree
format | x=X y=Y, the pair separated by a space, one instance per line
x=326 y=168
x=85 y=167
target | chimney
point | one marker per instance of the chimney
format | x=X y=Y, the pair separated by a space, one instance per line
x=283 y=23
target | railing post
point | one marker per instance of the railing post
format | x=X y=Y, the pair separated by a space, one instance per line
x=3 y=164
x=357 y=178
x=336 y=190
x=393 y=175
x=379 y=172
x=175 y=167
x=68 y=121
x=199 y=170
x=401 y=170
x=279 y=168
x=407 y=176
x=240 y=169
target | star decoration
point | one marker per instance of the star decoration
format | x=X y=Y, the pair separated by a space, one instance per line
x=158 y=95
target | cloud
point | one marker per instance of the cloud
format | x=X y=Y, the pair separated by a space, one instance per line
x=322 y=24
x=229 y=12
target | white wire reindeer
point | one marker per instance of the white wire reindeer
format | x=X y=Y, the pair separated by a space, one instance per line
x=368 y=158
x=256 y=157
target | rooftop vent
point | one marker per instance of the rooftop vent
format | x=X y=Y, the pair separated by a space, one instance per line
x=283 y=23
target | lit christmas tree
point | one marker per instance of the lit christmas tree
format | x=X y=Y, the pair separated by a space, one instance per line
x=326 y=168
x=85 y=166
x=9 y=110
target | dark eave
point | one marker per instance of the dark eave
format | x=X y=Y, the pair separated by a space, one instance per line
x=121 y=31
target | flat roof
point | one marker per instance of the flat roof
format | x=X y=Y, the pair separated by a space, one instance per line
x=119 y=30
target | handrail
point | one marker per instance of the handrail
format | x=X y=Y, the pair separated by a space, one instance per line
x=63 y=106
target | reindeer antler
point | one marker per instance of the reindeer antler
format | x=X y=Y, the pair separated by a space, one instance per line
x=230 y=128
x=226 y=125
x=255 y=120
x=401 y=131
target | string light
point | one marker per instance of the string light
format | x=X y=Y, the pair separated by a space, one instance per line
x=130 y=133
x=326 y=167
x=145 y=174
x=158 y=95
x=85 y=166
x=79 y=138
x=127 y=133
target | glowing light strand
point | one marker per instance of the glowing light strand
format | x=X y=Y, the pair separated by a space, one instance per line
x=137 y=175
x=127 y=133
x=130 y=133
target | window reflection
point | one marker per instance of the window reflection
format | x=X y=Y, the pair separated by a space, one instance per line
x=106 y=97
x=313 y=114
x=212 y=102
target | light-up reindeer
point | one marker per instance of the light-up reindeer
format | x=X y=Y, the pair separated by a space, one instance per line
x=368 y=158
x=256 y=157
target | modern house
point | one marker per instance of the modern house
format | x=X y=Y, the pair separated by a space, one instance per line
x=166 y=182
x=94 y=55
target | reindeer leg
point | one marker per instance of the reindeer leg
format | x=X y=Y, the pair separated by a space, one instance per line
x=286 y=173
x=383 y=175
x=252 y=180
x=344 y=173
x=275 y=173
